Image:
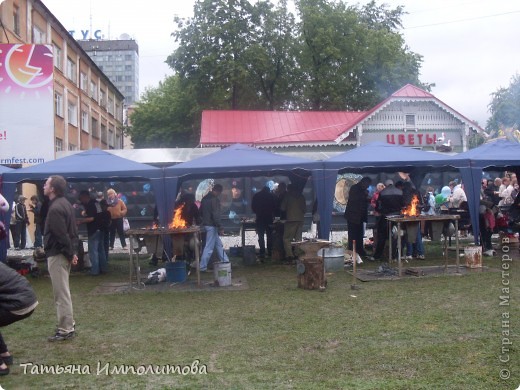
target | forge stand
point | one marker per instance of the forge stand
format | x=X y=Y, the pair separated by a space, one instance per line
x=400 y=219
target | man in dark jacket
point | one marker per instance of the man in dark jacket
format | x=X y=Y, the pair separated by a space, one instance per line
x=22 y=220
x=263 y=205
x=93 y=218
x=211 y=211
x=17 y=301
x=35 y=208
x=390 y=202
x=61 y=244
x=356 y=213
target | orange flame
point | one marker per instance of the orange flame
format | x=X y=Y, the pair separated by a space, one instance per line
x=412 y=210
x=155 y=226
x=178 y=222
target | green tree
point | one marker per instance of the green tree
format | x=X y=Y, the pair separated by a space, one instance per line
x=505 y=107
x=353 y=57
x=211 y=51
x=272 y=55
x=239 y=54
x=166 y=116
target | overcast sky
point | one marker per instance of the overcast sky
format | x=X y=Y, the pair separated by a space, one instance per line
x=470 y=48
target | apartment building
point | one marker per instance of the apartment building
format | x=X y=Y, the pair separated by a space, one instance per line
x=119 y=60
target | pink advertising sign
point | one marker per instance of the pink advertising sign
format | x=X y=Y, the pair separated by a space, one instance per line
x=26 y=104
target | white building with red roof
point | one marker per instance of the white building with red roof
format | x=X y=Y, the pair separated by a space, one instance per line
x=409 y=117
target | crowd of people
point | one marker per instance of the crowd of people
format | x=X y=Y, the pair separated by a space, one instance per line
x=57 y=224
x=499 y=209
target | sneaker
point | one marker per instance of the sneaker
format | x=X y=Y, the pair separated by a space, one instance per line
x=420 y=257
x=62 y=336
x=407 y=257
x=4 y=371
x=370 y=258
x=8 y=360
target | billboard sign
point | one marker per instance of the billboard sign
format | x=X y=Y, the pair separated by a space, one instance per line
x=26 y=104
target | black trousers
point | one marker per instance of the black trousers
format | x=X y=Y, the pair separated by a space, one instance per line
x=382 y=236
x=264 y=228
x=355 y=232
x=7 y=318
x=117 y=225
x=20 y=231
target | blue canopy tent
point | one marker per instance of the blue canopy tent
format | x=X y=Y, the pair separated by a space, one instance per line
x=234 y=161
x=4 y=217
x=90 y=165
x=371 y=158
x=499 y=154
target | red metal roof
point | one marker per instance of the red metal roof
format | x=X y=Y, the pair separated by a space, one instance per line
x=410 y=90
x=227 y=127
x=274 y=127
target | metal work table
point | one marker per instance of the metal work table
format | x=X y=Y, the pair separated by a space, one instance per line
x=136 y=234
x=246 y=225
x=403 y=219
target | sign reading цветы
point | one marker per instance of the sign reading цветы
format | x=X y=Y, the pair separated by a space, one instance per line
x=26 y=104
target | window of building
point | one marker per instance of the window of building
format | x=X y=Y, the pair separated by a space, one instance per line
x=58 y=104
x=72 y=147
x=16 y=19
x=103 y=132
x=72 y=112
x=111 y=137
x=58 y=57
x=119 y=78
x=93 y=90
x=102 y=100
x=71 y=69
x=95 y=128
x=128 y=57
x=410 y=120
x=119 y=113
x=118 y=141
x=128 y=78
x=58 y=144
x=83 y=81
x=39 y=36
x=128 y=67
x=84 y=121
x=110 y=106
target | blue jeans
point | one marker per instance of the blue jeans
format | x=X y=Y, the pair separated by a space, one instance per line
x=38 y=236
x=419 y=246
x=96 y=253
x=213 y=242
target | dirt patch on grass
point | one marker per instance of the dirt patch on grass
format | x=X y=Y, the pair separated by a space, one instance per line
x=417 y=272
x=189 y=285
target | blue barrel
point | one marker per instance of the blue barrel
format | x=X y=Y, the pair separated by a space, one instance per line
x=176 y=271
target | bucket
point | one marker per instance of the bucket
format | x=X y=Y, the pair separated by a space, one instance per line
x=473 y=256
x=222 y=274
x=176 y=271
x=334 y=258
x=235 y=251
x=249 y=255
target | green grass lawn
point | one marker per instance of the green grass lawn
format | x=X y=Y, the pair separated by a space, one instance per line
x=440 y=332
